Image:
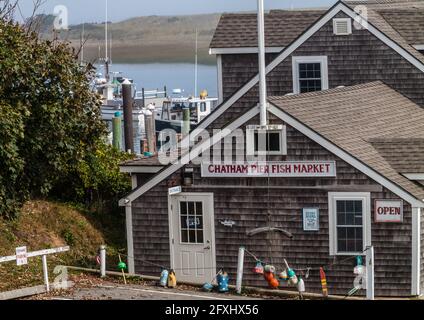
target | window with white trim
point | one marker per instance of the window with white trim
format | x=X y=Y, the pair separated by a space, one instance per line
x=310 y=74
x=349 y=222
x=268 y=140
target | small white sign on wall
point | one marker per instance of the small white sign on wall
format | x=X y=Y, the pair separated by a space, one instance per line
x=21 y=256
x=311 y=219
x=388 y=211
x=174 y=190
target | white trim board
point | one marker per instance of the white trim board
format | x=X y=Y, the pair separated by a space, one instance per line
x=416 y=252
x=365 y=197
x=345 y=156
x=219 y=77
x=243 y=50
x=414 y=176
x=140 y=169
x=322 y=60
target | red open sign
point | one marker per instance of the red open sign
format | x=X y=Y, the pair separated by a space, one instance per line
x=388 y=211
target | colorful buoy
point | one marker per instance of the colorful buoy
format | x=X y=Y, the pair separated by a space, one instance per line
x=222 y=278
x=259 y=268
x=172 y=279
x=122 y=266
x=323 y=282
x=164 y=278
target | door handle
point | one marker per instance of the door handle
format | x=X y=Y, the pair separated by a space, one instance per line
x=207 y=248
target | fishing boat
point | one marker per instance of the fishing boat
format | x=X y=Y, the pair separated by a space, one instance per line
x=170 y=115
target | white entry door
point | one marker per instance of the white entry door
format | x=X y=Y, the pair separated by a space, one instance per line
x=192 y=237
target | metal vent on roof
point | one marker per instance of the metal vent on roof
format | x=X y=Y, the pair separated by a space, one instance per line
x=342 y=26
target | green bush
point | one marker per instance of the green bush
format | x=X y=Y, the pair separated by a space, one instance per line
x=51 y=132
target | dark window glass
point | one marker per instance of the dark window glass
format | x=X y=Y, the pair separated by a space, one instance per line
x=349 y=226
x=273 y=142
x=310 y=77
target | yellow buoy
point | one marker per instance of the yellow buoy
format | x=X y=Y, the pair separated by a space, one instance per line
x=203 y=94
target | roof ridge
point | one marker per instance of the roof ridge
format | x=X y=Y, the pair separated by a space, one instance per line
x=330 y=91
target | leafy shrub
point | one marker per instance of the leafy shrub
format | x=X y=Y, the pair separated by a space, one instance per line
x=51 y=132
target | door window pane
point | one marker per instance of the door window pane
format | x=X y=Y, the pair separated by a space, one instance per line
x=191 y=222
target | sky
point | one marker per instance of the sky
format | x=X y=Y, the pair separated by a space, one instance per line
x=94 y=10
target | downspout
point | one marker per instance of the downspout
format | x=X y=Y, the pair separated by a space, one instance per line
x=262 y=66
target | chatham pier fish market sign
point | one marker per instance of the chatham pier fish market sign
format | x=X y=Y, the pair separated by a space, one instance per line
x=272 y=169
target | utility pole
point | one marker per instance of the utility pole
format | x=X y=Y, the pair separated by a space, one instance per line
x=195 y=67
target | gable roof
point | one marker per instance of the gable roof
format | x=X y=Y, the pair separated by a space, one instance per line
x=283 y=26
x=338 y=7
x=353 y=118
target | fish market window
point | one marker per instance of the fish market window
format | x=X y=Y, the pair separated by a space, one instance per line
x=191 y=222
x=349 y=223
x=268 y=140
x=310 y=74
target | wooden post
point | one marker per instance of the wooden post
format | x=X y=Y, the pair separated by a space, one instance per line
x=149 y=124
x=46 y=273
x=127 y=102
x=102 y=261
x=370 y=272
x=185 y=130
x=144 y=97
x=240 y=270
x=117 y=131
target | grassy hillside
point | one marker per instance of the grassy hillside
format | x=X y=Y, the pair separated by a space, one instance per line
x=43 y=225
x=145 y=39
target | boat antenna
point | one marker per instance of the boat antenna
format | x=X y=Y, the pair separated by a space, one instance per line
x=195 y=66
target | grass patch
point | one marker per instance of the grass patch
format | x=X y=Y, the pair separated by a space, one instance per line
x=47 y=224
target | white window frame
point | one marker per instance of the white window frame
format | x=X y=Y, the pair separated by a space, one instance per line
x=348 y=20
x=365 y=197
x=250 y=140
x=323 y=60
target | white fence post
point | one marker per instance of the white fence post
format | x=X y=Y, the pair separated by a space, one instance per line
x=103 y=261
x=370 y=273
x=240 y=269
x=46 y=273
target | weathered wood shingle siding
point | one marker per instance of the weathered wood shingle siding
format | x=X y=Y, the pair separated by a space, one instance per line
x=251 y=208
x=354 y=59
x=151 y=230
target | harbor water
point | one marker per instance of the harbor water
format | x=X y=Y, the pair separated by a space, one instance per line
x=156 y=76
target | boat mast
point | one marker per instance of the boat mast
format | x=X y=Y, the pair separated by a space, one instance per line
x=106 y=45
x=195 y=67
x=82 y=44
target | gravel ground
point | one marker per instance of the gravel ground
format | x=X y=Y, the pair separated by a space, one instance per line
x=88 y=287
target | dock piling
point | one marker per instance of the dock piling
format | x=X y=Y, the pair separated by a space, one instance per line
x=127 y=101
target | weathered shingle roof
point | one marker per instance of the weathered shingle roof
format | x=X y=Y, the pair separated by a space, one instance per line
x=281 y=28
x=385 y=4
x=381 y=24
x=284 y=26
x=404 y=155
x=354 y=118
